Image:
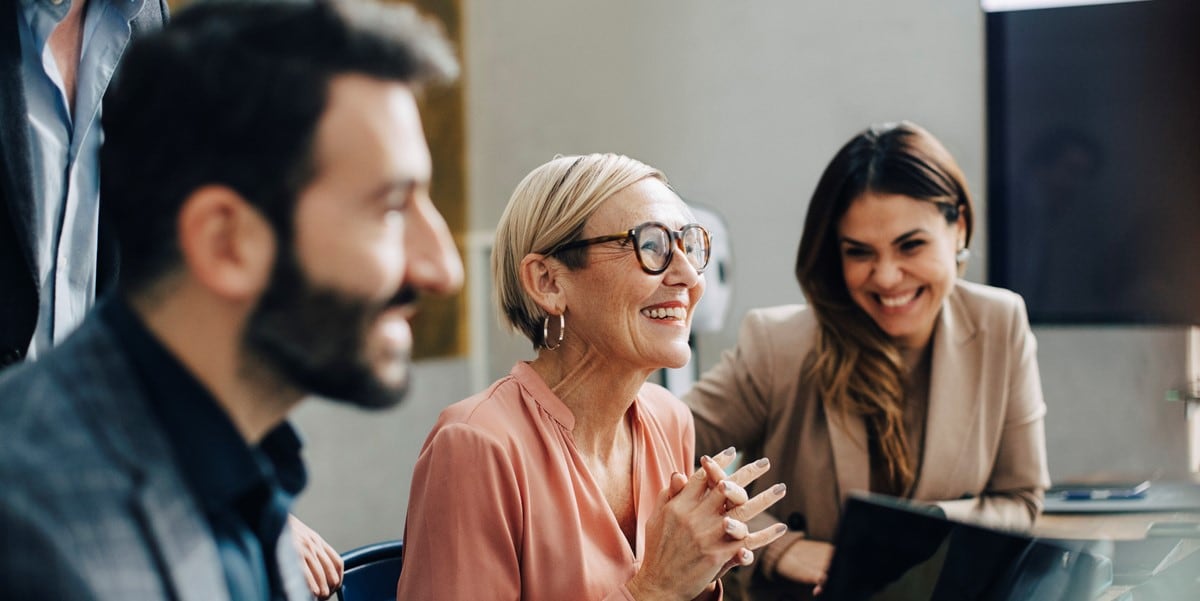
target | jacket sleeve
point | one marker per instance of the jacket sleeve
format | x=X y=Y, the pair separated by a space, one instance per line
x=43 y=561
x=730 y=402
x=1016 y=487
x=462 y=533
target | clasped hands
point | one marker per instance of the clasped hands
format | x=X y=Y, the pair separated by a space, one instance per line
x=700 y=530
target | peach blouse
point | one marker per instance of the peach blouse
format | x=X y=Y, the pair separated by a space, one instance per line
x=503 y=507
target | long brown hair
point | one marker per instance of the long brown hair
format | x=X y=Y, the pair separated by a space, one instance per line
x=855 y=366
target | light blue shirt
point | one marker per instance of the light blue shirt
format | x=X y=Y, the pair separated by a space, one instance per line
x=64 y=156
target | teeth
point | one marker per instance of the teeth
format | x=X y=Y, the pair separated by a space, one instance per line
x=664 y=313
x=896 y=301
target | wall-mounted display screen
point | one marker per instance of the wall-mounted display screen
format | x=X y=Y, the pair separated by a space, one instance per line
x=1094 y=161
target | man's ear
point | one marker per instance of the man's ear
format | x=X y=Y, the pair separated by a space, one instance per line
x=540 y=277
x=227 y=245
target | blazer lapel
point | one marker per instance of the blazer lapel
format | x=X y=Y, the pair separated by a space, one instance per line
x=175 y=527
x=184 y=544
x=851 y=460
x=953 y=400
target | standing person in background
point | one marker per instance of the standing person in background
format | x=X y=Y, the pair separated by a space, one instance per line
x=267 y=178
x=897 y=378
x=56 y=254
x=56 y=58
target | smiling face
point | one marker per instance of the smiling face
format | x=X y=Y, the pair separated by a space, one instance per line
x=368 y=241
x=898 y=262
x=628 y=316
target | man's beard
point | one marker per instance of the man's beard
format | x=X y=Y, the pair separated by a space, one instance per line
x=315 y=338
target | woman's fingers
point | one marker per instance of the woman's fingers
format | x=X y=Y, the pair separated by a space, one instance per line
x=725 y=458
x=710 y=494
x=712 y=470
x=688 y=540
x=761 y=501
x=732 y=487
x=751 y=471
x=735 y=529
x=698 y=484
x=734 y=494
x=743 y=557
x=764 y=537
x=678 y=482
x=711 y=475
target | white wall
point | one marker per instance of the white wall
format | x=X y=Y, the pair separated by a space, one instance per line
x=1105 y=391
x=360 y=462
x=741 y=104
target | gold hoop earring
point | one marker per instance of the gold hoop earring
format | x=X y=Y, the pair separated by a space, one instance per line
x=562 y=327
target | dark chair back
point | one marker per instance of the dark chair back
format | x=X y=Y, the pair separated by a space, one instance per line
x=371 y=572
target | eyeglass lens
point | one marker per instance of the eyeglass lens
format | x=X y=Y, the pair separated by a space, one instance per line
x=654 y=246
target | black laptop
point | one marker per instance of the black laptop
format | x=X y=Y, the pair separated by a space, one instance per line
x=886 y=549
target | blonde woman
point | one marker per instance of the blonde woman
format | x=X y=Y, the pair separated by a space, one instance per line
x=567 y=479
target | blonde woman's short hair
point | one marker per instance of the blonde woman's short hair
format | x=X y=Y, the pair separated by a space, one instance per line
x=548 y=209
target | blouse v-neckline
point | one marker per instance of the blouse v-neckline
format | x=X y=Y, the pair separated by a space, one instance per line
x=565 y=418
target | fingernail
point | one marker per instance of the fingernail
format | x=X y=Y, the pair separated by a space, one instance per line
x=779 y=489
x=726 y=486
x=729 y=452
x=730 y=526
x=780 y=528
x=746 y=556
x=704 y=459
x=763 y=463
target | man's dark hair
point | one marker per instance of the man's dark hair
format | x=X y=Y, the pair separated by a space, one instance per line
x=230 y=93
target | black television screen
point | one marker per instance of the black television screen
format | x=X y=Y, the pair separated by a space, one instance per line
x=1094 y=161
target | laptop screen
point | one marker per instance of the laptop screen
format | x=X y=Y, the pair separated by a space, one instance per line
x=887 y=549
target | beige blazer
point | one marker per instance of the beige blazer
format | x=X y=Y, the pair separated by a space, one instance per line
x=984 y=457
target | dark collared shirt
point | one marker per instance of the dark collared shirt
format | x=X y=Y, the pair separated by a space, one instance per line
x=244 y=491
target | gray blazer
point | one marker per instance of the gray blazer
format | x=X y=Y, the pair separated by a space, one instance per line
x=92 y=502
x=18 y=279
